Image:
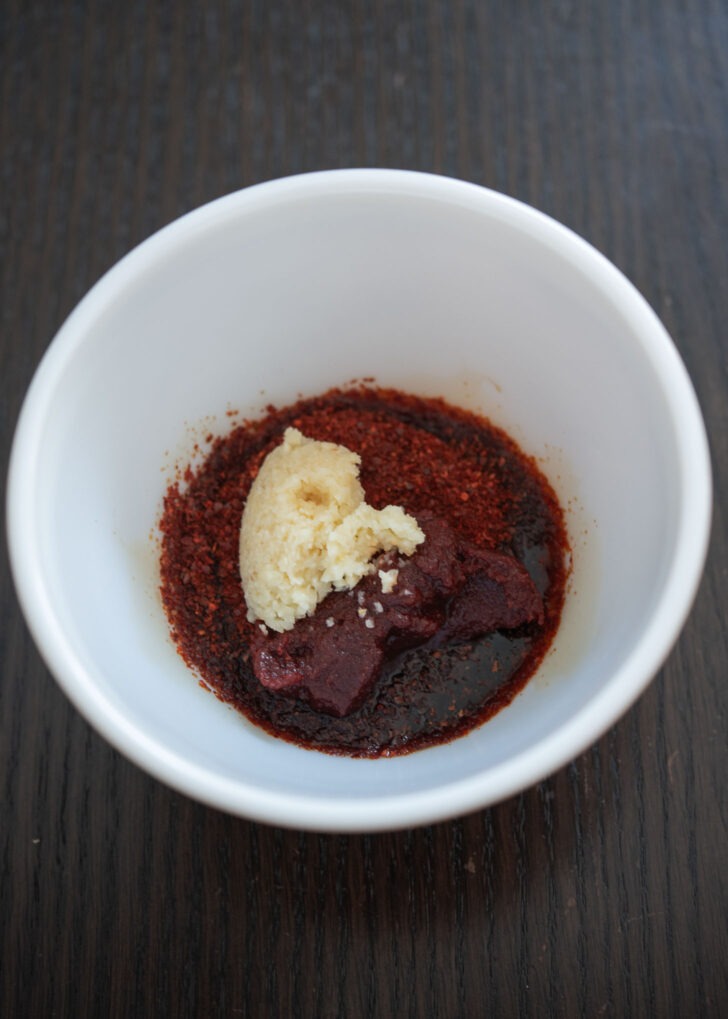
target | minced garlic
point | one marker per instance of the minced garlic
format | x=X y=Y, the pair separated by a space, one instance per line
x=306 y=530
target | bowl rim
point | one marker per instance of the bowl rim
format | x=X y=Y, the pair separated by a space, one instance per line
x=360 y=814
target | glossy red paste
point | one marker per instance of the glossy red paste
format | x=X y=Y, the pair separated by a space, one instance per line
x=473 y=612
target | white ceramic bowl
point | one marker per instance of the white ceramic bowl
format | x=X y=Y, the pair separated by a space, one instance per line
x=428 y=284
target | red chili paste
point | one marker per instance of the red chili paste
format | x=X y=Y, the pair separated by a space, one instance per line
x=476 y=643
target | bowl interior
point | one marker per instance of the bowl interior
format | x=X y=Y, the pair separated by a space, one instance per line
x=285 y=290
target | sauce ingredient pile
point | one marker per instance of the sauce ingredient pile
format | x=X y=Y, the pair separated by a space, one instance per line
x=404 y=567
x=307 y=531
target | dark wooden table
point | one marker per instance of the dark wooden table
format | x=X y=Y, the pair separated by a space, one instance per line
x=604 y=890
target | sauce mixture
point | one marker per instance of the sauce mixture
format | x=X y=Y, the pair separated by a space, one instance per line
x=448 y=468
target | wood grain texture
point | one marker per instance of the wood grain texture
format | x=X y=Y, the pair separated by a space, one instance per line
x=602 y=891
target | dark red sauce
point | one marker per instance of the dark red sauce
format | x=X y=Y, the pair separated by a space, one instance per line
x=440 y=463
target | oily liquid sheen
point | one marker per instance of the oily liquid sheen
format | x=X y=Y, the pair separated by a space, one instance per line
x=420 y=454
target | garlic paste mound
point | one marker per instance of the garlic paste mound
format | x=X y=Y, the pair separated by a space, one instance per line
x=306 y=530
